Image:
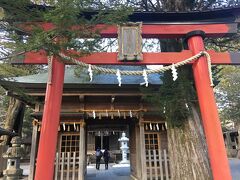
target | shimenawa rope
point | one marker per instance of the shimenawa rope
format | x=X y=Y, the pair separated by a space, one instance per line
x=140 y=73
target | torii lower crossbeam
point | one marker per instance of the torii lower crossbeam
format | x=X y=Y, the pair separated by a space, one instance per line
x=107 y=58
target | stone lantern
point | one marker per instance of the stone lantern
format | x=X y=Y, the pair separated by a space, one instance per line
x=124 y=147
x=13 y=155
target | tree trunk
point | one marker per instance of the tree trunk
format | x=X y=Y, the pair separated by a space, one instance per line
x=187 y=145
x=188 y=151
x=14 y=118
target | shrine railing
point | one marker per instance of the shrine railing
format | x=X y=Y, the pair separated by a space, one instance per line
x=66 y=166
x=157 y=164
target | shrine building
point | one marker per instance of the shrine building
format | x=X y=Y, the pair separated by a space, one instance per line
x=97 y=113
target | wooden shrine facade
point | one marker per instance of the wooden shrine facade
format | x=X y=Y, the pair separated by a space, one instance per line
x=126 y=113
x=80 y=131
x=192 y=26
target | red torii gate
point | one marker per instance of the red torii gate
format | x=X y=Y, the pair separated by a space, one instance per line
x=209 y=113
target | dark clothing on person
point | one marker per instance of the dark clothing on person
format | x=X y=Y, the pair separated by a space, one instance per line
x=106 y=157
x=98 y=158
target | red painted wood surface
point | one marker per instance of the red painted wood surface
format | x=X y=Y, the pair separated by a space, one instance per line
x=148 y=58
x=209 y=113
x=49 y=128
x=152 y=30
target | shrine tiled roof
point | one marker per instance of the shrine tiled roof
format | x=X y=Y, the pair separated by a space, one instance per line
x=204 y=16
x=98 y=79
x=222 y=14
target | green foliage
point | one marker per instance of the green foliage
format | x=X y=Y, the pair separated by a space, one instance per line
x=3 y=106
x=216 y=74
x=1 y=13
x=27 y=123
x=226 y=79
x=19 y=10
x=7 y=71
x=231 y=43
x=72 y=29
x=227 y=93
x=174 y=98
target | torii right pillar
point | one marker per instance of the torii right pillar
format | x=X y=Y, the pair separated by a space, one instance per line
x=208 y=108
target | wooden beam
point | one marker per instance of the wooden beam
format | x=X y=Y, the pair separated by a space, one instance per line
x=148 y=30
x=82 y=152
x=94 y=94
x=81 y=100
x=148 y=58
x=138 y=153
x=142 y=149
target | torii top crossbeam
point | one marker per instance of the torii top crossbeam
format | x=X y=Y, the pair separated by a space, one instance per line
x=215 y=24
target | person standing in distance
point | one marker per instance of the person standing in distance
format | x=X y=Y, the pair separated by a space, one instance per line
x=98 y=158
x=106 y=157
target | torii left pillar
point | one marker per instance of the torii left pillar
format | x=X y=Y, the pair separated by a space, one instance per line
x=50 y=123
